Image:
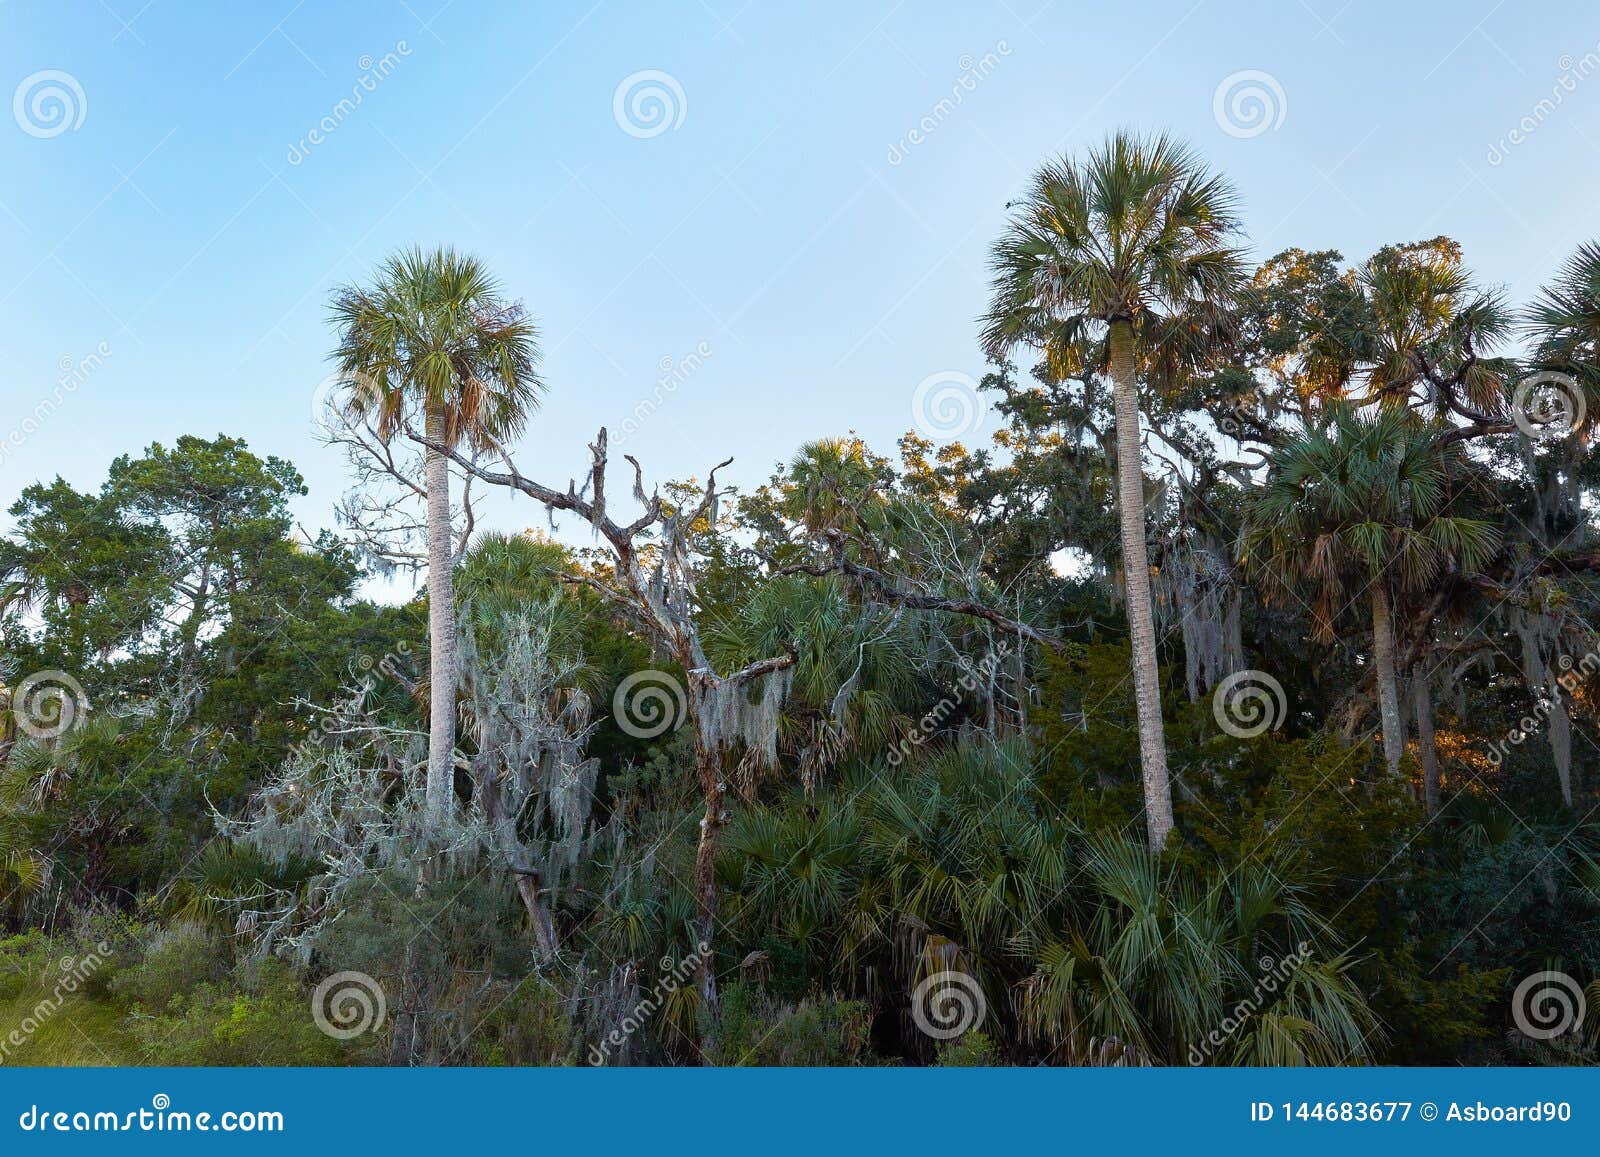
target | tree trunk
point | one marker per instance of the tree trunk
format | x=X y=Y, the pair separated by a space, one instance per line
x=529 y=880
x=529 y=887
x=1422 y=706
x=709 y=762
x=1388 y=683
x=1136 y=578
x=441 y=629
x=413 y=1039
x=190 y=633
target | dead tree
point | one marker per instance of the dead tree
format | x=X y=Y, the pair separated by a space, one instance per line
x=654 y=585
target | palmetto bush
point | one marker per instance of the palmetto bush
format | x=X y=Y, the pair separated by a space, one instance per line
x=1087 y=949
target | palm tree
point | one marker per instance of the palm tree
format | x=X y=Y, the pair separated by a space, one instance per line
x=1565 y=318
x=1124 y=252
x=1365 y=499
x=1564 y=323
x=831 y=485
x=432 y=334
x=1088 y=950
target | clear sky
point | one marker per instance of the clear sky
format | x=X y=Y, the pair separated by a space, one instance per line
x=166 y=203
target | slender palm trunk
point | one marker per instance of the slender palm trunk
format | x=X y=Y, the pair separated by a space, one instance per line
x=413 y=1029
x=441 y=629
x=1136 y=577
x=1422 y=707
x=1388 y=683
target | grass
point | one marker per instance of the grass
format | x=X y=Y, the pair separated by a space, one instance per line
x=52 y=1012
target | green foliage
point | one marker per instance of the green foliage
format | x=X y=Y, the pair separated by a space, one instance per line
x=528 y=1025
x=260 y=1015
x=756 y=1029
x=54 y=1004
x=172 y=964
x=970 y=1050
x=1089 y=732
x=956 y=862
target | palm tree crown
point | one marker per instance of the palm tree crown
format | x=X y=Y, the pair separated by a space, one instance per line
x=433 y=331
x=1362 y=498
x=1564 y=322
x=1138 y=231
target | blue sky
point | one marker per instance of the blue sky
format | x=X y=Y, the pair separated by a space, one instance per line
x=781 y=220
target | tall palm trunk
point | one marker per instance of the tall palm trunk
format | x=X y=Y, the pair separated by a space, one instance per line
x=441 y=628
x=1388 y=682
x=1136 y=577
